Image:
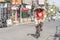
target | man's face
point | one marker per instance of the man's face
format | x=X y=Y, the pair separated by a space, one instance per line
x=40 y=10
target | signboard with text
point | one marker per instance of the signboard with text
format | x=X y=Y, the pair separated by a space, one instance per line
x=2 y=0
x=16 y=1
x=28 y=6
x=27 y=2
x=41 y=1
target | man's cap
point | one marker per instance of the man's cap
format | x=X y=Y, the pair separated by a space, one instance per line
x=37 y=8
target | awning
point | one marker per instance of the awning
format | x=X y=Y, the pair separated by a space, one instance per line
x=24 y=8
x=14 y=7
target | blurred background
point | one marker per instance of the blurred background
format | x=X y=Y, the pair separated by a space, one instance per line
x=22 y=11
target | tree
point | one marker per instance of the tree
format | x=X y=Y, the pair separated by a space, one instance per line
x=8 y=0
x=46 y=6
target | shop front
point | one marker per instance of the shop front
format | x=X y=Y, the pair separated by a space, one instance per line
x=15 y=14
x=26 y=13
x=3 y=14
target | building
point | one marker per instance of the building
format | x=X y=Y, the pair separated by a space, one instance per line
x=2 y=0
x=15 y=10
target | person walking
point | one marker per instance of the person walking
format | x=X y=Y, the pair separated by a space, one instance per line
x=39 y=18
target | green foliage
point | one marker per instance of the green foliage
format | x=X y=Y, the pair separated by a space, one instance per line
x=8 y=0
x=49 y=7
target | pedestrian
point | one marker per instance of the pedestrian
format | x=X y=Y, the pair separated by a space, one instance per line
x=39 y=16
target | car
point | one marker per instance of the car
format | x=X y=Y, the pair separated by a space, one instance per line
x=56 y=16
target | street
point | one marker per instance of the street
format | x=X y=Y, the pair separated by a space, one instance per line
x=19 y=32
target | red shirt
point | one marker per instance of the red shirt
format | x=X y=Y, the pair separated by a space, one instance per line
x=39 y=15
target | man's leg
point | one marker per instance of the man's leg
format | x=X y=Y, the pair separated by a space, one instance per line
x=37 y=29
x=41 y=25
x=37 y=34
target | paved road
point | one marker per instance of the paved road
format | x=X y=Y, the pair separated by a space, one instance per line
x=19 y=32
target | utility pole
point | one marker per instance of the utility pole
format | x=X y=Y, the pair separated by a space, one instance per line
x=21 y=11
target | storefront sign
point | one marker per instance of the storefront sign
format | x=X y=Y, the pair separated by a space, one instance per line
x=2 y=0
x=5 y=6
x=41 y=1
x=16 y=1
x=28 y=6
x=27 y=2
